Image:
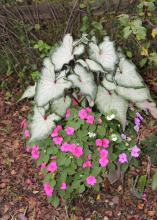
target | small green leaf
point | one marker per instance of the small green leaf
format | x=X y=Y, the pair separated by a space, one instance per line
x=124 y=167
x=55 y=201
x=81 y=188
x=154 y=181
x=126 y=32
x=142 y=183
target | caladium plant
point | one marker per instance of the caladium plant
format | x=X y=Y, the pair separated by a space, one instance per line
x=97 y=72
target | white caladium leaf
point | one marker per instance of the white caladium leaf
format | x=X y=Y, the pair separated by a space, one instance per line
x=41 y=127
x=90 y=65
x=105 y=54
x=63 y=54
x=29 y=92
x=150 y=106
x=94 y=66
x=60 y=105
x=78 y=50
x=108 y=82
x=49 y=87
x=126 y=75
x=82 y=63
x=84 y=80
x=134 y=95
x=110 y=102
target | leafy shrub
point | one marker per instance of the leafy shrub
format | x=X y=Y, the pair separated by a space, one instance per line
x=81 y=150
x=94 y=75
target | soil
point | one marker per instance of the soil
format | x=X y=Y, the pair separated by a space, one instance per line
x=21 y=194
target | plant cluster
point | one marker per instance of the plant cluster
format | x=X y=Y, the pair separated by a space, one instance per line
x=76 y=146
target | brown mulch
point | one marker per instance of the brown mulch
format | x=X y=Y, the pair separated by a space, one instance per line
x=21 y=194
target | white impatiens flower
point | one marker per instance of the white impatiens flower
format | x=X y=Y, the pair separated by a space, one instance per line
x=110 y=117
x=104 y=54
x=114 y=137
x=91 y=134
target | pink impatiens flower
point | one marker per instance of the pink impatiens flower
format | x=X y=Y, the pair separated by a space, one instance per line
x=67 y=113
x=43 y=165
x=48 y=189
x=135 y=151
x=83 y=113
x=103 y=161
x=88 y=109
x=87 y=163
x=77 y=151
x=98 y=142
x=103 y=153
x=65 y=147
x=105 y=142
x=91 y=180
x=27 y=134
x=52 y=167
x=70 y=130
x=123 y=158
x=56 y=130
x=58 y=140
x=35 y=152
x=63 y=186
x=89 y=157
x=90 y=119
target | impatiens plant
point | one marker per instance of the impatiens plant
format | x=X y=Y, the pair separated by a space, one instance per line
x=75 y=146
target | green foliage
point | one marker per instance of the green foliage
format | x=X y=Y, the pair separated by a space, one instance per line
x=154 y=181
x=43 y=48
x=150 y=147
x=70 y=166
x=136 y=31
x=140 y=29
x=139 y=185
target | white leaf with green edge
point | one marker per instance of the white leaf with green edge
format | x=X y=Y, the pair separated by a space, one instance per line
x=29 y=92
x=41 y=127
x=110 y=102
x=104 y=54
x=84 y=80
x=78 y=50
x=49 y=87
x=90 y=65
x=59 y=106
x=150 y=106
x=126 y=75
x=94 y=66
x=108 y=82
x=134 y=95
x=63 y=54
x=82 y=63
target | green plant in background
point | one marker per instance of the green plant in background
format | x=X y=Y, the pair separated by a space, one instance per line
x=150 y=147
x=141 y=28
x=135 y=29
x=154 y=181
x=139 y=186
x=43 y=48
